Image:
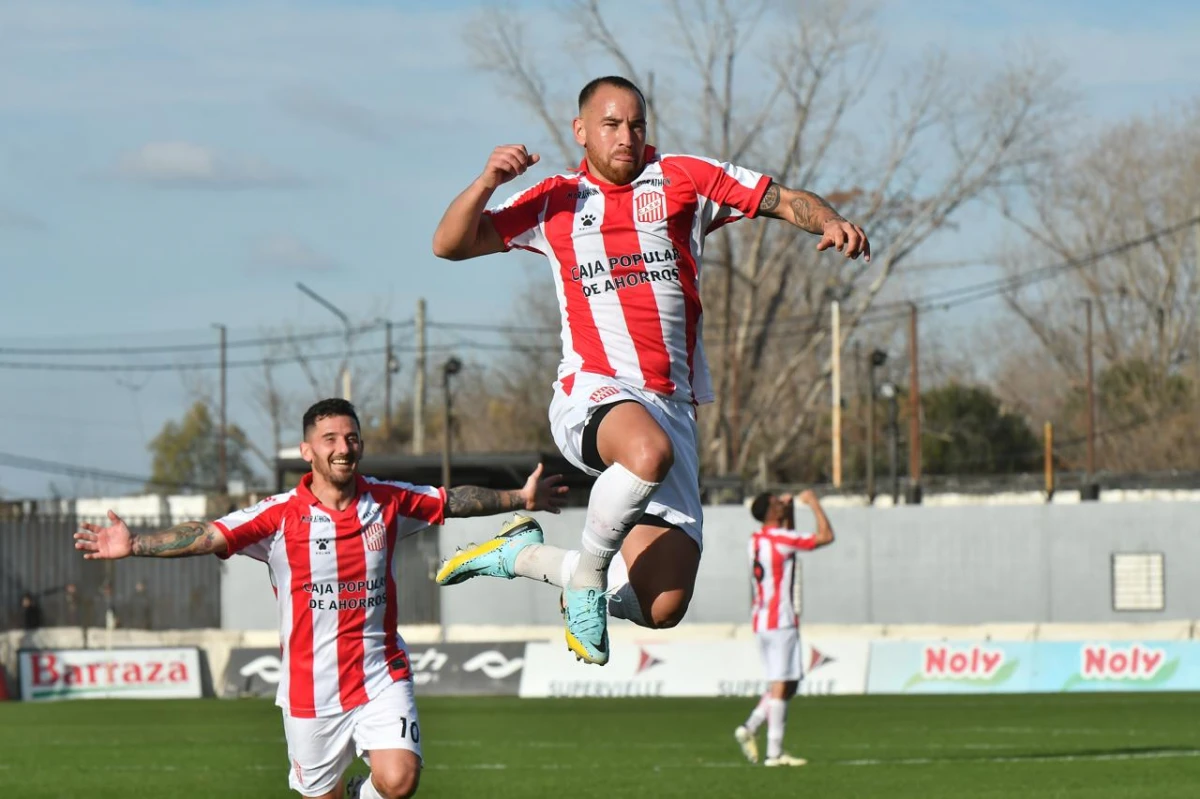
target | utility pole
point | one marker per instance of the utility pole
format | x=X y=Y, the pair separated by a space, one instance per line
x=390 y=367
x=1091 y=397
x=222 y=437
x=835 y=309
x=914 y=411
x=418 y=442
x=878 y=358
x=452 y=367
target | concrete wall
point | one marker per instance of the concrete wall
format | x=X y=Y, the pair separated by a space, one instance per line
x=907 y=565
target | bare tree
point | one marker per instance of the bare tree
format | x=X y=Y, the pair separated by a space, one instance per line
x=1120 y=215
x=784 y=90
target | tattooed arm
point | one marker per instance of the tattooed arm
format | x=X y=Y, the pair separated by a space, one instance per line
x=539 y=493
x=189 y=538
x=114 y=541
x=474 y=501
x=813 y=214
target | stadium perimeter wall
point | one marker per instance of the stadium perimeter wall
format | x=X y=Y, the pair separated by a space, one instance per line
x=1049 y=563
x=906 y=565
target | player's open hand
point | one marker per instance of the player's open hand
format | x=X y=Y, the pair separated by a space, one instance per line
x=544 y=493
x=846 y=237
x=100 y=542
x=507 y=162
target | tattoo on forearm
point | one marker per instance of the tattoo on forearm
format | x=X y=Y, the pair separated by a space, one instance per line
x=189 y=538
x=475 y=501
x=770 y=199
x=811 y=212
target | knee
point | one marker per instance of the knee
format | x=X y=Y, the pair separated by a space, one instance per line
x=651 y=458
x=398 y=784
x=667 y=611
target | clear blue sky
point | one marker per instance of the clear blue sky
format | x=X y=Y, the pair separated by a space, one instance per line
x=169 y=165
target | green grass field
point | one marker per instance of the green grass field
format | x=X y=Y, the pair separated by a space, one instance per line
x=1079 y=745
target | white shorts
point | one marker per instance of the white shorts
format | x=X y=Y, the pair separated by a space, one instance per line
x=780 y=650
x=321 y=749
x=677 y=500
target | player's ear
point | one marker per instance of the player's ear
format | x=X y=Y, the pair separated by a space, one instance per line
x=306 y=451
x=580 y=132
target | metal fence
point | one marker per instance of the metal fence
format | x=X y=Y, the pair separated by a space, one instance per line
x=38 y=557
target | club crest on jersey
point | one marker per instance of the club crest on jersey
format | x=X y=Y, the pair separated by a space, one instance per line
x=375 y=534
x=650 y=207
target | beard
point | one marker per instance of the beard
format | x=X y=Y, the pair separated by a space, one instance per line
x=619 y=173
x=337 y=475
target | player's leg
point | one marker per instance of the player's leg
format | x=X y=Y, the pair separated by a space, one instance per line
x=320 y=750
x=387 y=732
x=746 y=734
x=662 y=561
x=785 y=673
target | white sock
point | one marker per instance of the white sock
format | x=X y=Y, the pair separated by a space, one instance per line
x=544 y=563
x=759 y=715
x=619 y=499
x=368 y=791
x=776 y=721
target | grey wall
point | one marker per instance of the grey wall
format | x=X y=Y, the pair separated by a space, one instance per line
x=907 y=565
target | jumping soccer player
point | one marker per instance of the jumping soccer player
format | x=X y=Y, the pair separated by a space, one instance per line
x=624 y=235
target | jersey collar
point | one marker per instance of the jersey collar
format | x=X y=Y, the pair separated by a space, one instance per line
x=304 y=491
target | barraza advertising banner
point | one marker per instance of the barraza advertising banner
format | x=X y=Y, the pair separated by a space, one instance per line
x=950 y=667
x=728 y=667
x=158 y=673
x=458 y=668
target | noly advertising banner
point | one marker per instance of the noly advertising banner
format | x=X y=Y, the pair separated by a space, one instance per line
x=1036 y=667
x=950 y=667
x=730 y=667
x=159 y=673
x=1118 y=666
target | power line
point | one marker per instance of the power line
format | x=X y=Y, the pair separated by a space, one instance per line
x=151 y=349
x=26 y=463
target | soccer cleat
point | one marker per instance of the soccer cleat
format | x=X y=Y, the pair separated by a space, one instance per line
x=585 y=611
x=354 y=786
x=746 y=741
x=494 y=558
x=785 y=760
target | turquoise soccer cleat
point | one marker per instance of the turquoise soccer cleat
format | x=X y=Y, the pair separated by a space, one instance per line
x=494 y=558
x=585 y=611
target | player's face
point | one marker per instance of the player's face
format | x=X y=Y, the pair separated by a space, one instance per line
x=612 y=130
x=333 y=446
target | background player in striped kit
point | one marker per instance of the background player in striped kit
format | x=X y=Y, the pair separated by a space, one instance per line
x=774 y=616
x=624 y=235
x=345 y=682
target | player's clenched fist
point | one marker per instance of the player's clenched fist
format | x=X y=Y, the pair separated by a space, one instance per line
x=507 y=162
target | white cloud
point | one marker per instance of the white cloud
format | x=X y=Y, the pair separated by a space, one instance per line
x=181 y=164
x=283 y=251
x=332 y=112
x=17 y=220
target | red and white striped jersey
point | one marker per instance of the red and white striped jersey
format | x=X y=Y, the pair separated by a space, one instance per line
x=335 y=583
x=773 y=560
x=626 y=262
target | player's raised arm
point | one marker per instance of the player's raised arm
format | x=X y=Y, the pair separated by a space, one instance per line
x=114 y=541
x=465 y=231
x=812 y=213
x=538 y=493
x=824 y=528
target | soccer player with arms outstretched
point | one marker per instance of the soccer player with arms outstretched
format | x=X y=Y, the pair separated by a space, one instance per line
x=775 y=620
x=345 y=681
x=624 y=235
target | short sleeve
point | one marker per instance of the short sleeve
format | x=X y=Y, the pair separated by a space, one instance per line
x=519 y=219
x=417 y=507
x=249 y=531
x=727 y=192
